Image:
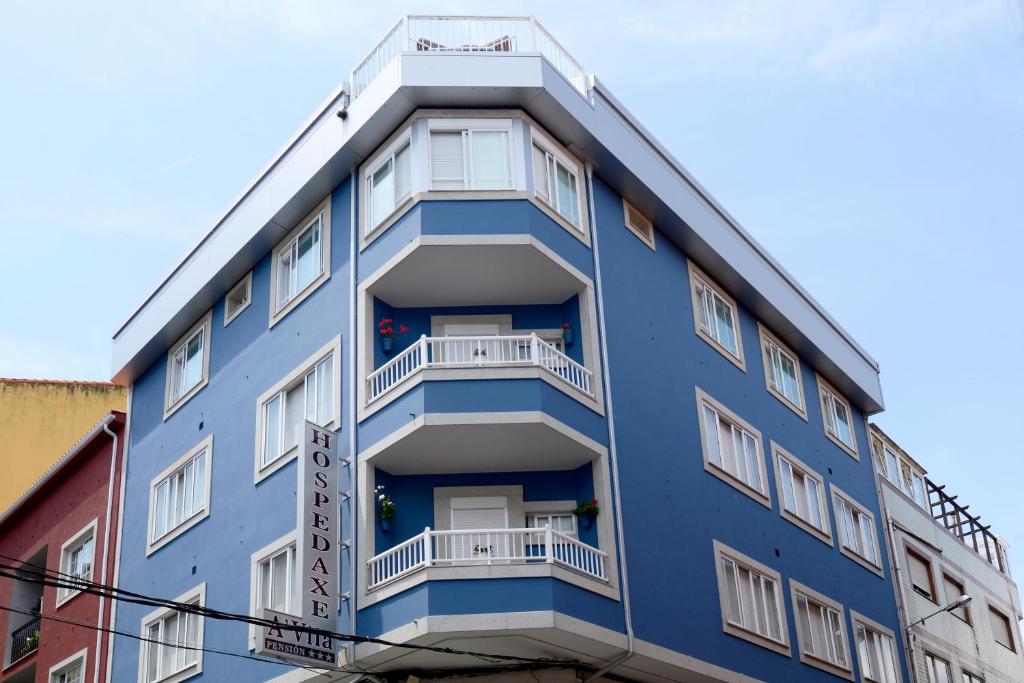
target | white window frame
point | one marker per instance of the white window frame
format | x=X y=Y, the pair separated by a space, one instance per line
x=245 y=285
x=256 y=559
x=197 y=596
x=873 y=629
x=829 y=610
x=152 y=545
x=698 y=279
x=933 y=660
x=533 y=509
x=724 y=552
x=839 y=497
x=380 y=159
x=467 y=127
x=323 y=213
x=638 y=223
x=79 y=659
x=333 y=349
x=771 y=345
x=798 y=467
x=559 y=155
x=762 y=494
x=171 y=402
x=827 y=394
x=88 y=532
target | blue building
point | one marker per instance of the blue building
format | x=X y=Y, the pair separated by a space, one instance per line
x=512 y=305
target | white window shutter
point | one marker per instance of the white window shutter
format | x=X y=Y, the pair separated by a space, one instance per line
x=447 y=161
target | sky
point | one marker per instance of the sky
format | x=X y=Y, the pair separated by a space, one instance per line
x=876 y=149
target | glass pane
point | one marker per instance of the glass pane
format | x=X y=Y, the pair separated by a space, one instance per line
x=325 y=391
x=160 y=511
x=382 y=193
x=310 y=395
x=850 y=528
x=732 y=595
x=803 y=622
x=724 y=320
x=867 y=535
x=153 y=653
x=772 y=602
x=788 y=498
x=284 y=270
x=814 y=502
x=309 y=261
x=843 y=424
x=177 y=374
x=168 y=662
x=192 y=639
x=266 y=591
x=887 y=657
x=489 y=159
x=199 y=491
x=193 y=362
x=272 y=429
x=711 y=432
x=789 y=383
x=293 y=413
x=540 y=174
x=753 y=461
x=279 y=582
x=757 y=590
x=403 y=180
x=447 y=160
x=567 y=195
x=188 y=481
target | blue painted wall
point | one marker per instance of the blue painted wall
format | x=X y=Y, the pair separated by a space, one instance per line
x=672 y=508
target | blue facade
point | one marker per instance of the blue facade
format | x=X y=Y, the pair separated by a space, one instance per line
x=672 y=509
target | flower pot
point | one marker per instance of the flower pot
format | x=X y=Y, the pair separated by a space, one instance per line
x=385 y=525
x=567 y=337
x=386 y=343
x=586 y=521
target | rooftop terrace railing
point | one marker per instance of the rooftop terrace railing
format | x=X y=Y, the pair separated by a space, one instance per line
x=967 y=527
x=458 y=34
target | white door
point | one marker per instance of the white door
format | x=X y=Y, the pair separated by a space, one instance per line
x=486 y=513
x=470 y=351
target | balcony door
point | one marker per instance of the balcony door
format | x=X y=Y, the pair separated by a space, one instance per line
x=479 y=518
x=465 y=344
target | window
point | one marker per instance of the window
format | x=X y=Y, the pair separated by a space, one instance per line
x=750 y=600
x=76 y=560
x=556 y=180
x=564 y=522
x=308 y=393
x=70 y=670
x=715 y=317
x=639 y=224
x=968 y=677
x=876 y=651
x=856 y=526
x=732 y=449
x=838 y=417
x=188 y=363
x=1002 y=631
x=388 y=182
x=782 y=372
x=938 y=669
x=300 y=261
x=802 y=494
x=953 y=590
x=821 y=630
x=238 y=299
x=472 y=158
x=919 y=569
x=171 y=649
x=180 y=497
x=278 y=588
x=901 y=472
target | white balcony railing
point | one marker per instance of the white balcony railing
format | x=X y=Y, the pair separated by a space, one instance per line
x=486 y=547
x=476 y=352
x=466 y=34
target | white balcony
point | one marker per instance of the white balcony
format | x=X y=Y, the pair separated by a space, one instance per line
x=486 y=547
x=478 y=352
x=466 y=35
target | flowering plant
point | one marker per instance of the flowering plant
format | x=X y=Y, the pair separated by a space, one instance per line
x=386 y=328
x=567 y=327
x=587 y=507
x=387 y=503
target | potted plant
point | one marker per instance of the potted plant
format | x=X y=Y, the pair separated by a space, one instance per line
x=567 y=336
x=32 y=642
x=388 y=333
x=585 y=511
x=386 y=513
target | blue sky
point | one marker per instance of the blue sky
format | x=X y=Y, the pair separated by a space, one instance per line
x=876 y=149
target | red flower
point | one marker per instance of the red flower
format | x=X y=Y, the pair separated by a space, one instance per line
x=566 y=326
x=388 y=330
x=402 y=329
x=593 y=501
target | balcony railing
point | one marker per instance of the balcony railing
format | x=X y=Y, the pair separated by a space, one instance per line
x=478 y=352
x=486 y=547
x=466 y=35
x=25 y=640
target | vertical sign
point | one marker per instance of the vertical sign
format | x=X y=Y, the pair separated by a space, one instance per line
x=316 y=557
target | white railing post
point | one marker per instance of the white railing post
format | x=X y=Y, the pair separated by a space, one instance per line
x=534 y=348
x=549 y=551
x=428 y=559
x=424 y=361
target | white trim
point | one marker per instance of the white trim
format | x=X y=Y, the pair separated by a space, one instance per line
x=740 y=560
x=645 y=231
x=697 y=277
x=762 y=496
x=838 y=494
x=246 y=284
x=547 y=143
x=507 y=125
x=65 y=594
x=869 y=625
x=766 y=338
x=204 y=324
x=153 y=545
x=197 y=594
x=779 y=453
x=81 y=658
x=254 y=580
x=324 y=207
x=333 y=347
x=823 y=388
x=814 y=597
x=400 y=140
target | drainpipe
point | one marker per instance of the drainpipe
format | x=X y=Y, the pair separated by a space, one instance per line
x=126 y=435
x=612 y=451
x=106 y=546
x=353 y=468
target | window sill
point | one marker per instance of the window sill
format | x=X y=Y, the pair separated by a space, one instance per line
x=852 y=452
x=178 y=531
x=738 y=361
x=775 y=646
x=172 y=408
x=63 y=600
x=785 y=400
x=804 y=525
x=862 y=561
x=737 y=484
x=825 y=665
x=305 y=293
x=184 y=674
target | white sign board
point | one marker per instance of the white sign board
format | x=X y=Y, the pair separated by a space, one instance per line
x=316 y=557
